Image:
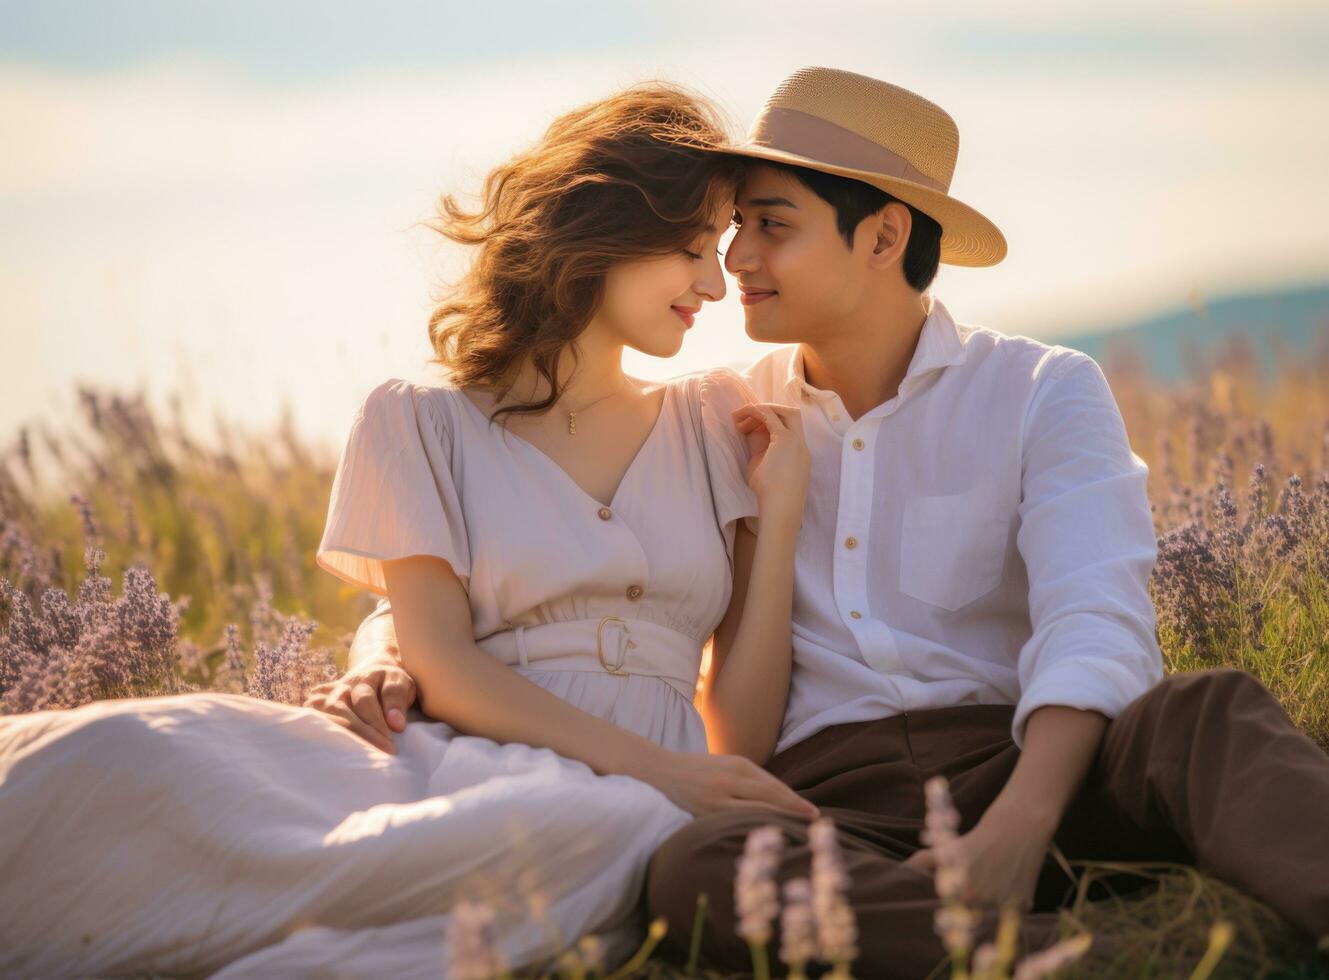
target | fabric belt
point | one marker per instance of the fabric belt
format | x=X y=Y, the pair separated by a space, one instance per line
x=612 y=645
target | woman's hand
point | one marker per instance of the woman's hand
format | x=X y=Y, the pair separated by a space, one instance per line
x=780 y=463
x=702 y=783
x=370 y=699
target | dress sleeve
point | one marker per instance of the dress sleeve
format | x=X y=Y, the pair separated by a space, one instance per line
x=393 y=494
x=722 y=391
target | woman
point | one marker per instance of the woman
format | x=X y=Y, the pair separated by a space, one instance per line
x=557 y=540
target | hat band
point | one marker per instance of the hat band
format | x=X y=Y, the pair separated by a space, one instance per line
x=811 y=136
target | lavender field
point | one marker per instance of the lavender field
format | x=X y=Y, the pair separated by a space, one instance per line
x=159 y=566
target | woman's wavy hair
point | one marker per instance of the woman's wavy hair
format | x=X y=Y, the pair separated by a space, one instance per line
x=620 y=179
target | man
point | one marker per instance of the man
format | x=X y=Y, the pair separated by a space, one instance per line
x=971 y=585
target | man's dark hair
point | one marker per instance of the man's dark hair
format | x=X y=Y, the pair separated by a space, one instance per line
x=854 y=200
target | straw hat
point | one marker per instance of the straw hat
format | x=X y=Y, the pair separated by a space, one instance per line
x=843 y=123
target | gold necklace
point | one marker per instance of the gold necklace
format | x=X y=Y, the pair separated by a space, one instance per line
x=572 y=413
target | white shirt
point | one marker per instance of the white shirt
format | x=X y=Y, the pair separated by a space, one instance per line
x=982 y=537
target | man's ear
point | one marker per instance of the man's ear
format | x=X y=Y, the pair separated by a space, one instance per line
x=890 y=229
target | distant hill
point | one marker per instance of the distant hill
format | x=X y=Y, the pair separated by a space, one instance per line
x=1292 y=318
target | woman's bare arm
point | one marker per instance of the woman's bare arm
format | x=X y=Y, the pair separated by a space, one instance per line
x=478 y=695
x=744 y=699
x=475 y=693
x=747 y=687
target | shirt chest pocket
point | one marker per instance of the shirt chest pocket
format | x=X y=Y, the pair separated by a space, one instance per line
x=953 y=546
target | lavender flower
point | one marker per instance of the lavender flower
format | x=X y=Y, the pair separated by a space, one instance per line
x=798 y=927
x=985 y=960
x=276 y=674
x=592 y=952
x=472 y=951
x=954 y=921
x=90 y=529
x=234 y=658
x=837 y=929
x=755 y=897
x=1205 y=562
x=95 y=646
x=65 y=652
x=1055 y=957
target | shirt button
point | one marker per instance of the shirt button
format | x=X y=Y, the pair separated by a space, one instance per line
x=605 y=513
x=855 y=614
x=634 y=591
x=858 y=443
x=835 y=418
x=851 y=542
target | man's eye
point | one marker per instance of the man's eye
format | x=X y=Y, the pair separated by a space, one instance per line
x=768 y=223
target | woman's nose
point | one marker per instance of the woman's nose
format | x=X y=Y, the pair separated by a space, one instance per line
x=712 y=287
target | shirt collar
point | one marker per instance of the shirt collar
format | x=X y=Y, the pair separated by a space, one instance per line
x=939 y=346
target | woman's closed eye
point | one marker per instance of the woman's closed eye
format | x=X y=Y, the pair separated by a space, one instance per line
x=697 y=256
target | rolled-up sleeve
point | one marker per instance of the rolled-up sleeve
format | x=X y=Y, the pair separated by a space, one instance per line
x=1088 y=543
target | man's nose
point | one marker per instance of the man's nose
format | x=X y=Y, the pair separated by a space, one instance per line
x=738 y=257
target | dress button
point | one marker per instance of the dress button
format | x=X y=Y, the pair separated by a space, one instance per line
x=858 y=443
x=855 y=614
x=634 y=591
x=605 y=513
x=851 y=542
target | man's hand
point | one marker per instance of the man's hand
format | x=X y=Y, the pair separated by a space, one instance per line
x=370 y=699
x=1006 y=848
x=1003 y=854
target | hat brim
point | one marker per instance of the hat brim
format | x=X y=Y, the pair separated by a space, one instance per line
x=967 y=237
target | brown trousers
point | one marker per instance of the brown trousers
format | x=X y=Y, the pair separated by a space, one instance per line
x=1205 y=768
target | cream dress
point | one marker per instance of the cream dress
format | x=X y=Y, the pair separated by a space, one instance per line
x=218 y=832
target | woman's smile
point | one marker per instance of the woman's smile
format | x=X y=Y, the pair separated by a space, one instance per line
x=686 y=314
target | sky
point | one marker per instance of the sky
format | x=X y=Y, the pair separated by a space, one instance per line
x=225 y=199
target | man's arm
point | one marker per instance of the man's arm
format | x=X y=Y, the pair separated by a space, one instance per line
x=372 y=697
x=1088 y=542
x=1086 y=533
x=375 y=639
x=1004 y=852
x=1059 y=747
x=1087 y=537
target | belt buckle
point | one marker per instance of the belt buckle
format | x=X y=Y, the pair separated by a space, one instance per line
x=615 y=668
